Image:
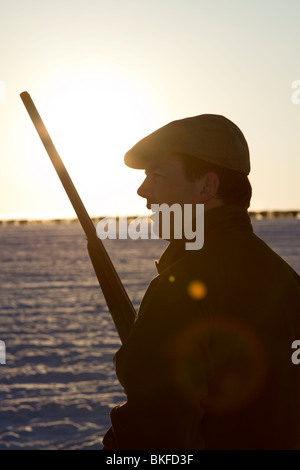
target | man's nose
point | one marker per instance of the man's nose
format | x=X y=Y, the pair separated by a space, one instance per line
x=144 y=190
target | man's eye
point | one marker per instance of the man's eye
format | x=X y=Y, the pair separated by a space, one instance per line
x=157 y=176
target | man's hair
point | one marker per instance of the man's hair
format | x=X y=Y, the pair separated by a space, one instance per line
x=234 y=186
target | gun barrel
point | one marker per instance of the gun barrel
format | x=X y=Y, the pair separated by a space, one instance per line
x=116 y=297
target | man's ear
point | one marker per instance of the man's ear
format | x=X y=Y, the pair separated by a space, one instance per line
x=209 y=186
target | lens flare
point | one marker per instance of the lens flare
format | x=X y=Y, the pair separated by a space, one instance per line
x=220 y=363
x=197 y=290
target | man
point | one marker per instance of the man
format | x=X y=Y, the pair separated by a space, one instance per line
x=208 y=362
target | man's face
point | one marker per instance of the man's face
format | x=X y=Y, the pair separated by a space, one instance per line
x=166 y=182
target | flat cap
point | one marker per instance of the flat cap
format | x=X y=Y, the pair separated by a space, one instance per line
x=209 y=137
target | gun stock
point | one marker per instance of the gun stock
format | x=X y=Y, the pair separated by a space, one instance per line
x=118 y=302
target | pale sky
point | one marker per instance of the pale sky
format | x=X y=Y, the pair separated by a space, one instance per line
x=104 y=74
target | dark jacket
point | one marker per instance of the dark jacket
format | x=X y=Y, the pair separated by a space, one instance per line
x=208 y=362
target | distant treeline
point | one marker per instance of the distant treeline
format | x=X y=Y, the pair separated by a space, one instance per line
x=253 y=214
x=274 y=214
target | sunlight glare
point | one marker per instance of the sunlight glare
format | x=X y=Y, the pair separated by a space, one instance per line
x=95 y=112
x=93 y=120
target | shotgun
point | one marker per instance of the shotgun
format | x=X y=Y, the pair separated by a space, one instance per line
x=118 y=302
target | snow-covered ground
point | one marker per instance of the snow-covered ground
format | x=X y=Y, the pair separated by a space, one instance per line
x=58 y=384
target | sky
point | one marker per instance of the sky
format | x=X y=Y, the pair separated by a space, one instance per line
x=103 y=74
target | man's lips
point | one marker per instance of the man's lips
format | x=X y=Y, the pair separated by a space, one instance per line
x=149 y=204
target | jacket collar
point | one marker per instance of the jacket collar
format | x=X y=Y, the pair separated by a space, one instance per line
x=217 y=222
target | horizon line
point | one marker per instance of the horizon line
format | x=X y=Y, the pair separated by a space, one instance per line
x=7 y=220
